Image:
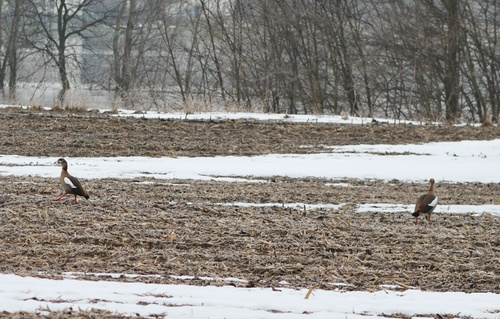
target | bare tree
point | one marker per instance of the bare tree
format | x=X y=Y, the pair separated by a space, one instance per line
x=211 y=13
x=123 y=65
x=453 y=45
x=57 y=32
x=341 y=38
x=178 y=48
x=11 y=55
x=481 y=88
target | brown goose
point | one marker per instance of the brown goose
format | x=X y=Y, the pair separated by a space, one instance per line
x=69 y=184
x=426 y=203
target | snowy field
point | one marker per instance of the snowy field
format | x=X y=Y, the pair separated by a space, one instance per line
x=184 y=301
x=467 y=161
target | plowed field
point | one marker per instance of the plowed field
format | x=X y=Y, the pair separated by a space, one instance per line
x=162 y=229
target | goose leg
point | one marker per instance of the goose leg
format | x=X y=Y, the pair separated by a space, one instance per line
x=60 y=197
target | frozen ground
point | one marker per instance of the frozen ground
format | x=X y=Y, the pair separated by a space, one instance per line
x=184 y=301
x=467 y=161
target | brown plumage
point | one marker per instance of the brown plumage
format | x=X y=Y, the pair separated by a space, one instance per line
x=426 y=203
x=69 y=184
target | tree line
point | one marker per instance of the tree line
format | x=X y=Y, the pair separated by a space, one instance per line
x=421 y=60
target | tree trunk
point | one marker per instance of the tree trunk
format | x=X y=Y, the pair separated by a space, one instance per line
x=215 y=53
x=3 y=67
x=127 y=69
x=116 y=68
x=452 y=77
x=12 y=51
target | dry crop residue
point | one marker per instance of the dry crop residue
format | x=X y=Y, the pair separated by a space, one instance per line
x=167 y=227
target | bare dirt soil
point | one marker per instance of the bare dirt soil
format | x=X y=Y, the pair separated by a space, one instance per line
x=185 y=227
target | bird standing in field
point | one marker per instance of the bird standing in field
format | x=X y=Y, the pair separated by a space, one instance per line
x=426 y=203
x=70 y=184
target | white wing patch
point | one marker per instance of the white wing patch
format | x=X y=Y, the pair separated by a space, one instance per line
x=68 y=181
x=434 y=202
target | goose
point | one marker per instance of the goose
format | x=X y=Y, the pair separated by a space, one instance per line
x=70 y=184
x=426 y=203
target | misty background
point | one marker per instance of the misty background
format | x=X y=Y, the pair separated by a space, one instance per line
x=420 y=60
